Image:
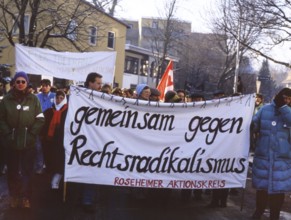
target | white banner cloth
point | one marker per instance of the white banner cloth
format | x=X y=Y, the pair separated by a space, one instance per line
x=125 y=142
x=64 y=65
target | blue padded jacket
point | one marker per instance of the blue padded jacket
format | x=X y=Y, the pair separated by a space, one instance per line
x=272 y=161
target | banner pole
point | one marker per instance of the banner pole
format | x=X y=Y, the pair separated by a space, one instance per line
x=242 y=199
x=64 y=191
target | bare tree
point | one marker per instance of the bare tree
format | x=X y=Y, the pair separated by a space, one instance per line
x=271 y=20
x=200 y=55
x=165 y=38
x=48 y=21
x=234 y=33
x=201 y=63
x=108 y=6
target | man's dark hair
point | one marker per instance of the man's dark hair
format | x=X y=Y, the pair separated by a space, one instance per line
x=46 y=82
x=259 y=95
x=91 y=78
x=181 y=90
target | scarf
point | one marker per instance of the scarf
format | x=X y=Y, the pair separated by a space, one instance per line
x=56 y=119
x=19 y=95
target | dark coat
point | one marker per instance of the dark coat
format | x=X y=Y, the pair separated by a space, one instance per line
x=54 y=146
x=21 y=120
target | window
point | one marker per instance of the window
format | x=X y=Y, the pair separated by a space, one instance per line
x=133 y=86
x=111 y=38
x=144 y=67
x=152 y=69
x=92 y=35
x=155 y=24
x=72 y=33
x=131 y=65
x=26 y=25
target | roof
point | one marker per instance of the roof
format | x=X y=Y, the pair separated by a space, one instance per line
x=141 y=50
x=103 y=12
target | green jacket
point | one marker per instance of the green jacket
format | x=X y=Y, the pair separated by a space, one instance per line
x=20 y=122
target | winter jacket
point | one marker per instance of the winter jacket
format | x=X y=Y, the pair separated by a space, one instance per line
x=54 y=147
x=20 y=122
x=46 y=100
x=272 y=161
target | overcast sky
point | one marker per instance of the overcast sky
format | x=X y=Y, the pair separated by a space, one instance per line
x=193 y=11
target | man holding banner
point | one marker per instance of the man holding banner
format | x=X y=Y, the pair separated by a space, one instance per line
x=89 y=191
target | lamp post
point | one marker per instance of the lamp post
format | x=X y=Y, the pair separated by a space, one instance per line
x=258 y=84
x=237 y=49
x=237 y=59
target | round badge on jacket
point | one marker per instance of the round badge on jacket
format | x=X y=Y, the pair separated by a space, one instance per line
x=274 y=123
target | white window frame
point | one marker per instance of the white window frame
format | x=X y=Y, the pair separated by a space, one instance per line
x=92 y=37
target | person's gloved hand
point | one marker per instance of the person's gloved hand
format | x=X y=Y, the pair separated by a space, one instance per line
x=279 y=100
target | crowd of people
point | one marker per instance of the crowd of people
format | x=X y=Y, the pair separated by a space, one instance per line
x=32 y=134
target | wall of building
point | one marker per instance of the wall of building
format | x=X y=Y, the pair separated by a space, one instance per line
x=104 y=24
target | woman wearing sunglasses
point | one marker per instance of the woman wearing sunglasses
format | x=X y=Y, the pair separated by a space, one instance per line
x=21 y=119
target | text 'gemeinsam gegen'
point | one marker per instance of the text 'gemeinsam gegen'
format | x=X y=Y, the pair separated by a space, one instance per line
x=152 y=121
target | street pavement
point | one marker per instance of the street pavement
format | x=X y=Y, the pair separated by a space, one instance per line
x=116 y=203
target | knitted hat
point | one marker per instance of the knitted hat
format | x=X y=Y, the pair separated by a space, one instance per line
x=279 y=98
x=21 y=74
x=140 y=87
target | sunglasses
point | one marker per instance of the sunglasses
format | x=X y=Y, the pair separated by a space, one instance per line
x=20 y=81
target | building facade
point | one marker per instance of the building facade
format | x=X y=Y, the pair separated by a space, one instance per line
x=144 y=49
x=74 y=26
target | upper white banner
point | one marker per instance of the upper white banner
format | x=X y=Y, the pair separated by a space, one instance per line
x=126 y=142
x=65 y=65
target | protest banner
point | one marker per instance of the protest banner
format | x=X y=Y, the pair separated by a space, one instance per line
x=65 y=65
x=112 y=140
